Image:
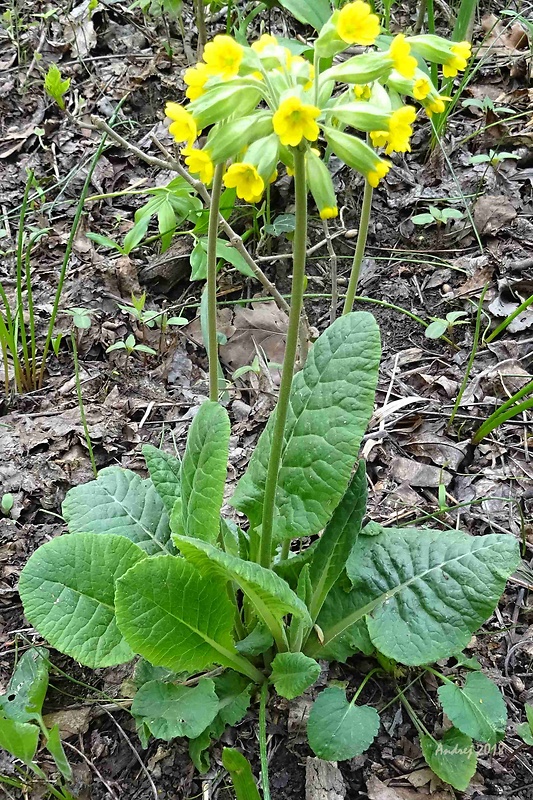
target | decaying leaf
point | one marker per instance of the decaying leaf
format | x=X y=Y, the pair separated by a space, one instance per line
x=492 y=213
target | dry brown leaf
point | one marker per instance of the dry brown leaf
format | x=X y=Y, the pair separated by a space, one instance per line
x=503 y=39
x=264 y=326
x=492 y=213
x=404 y=470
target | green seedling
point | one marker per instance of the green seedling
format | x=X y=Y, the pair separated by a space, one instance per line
x=493 y=157
x=81 y=317
x=55 y=87
x=525 y=729
x=6 y=503
x=436 y=216
x=439 y=327
x=130 y=346
x=486 y=104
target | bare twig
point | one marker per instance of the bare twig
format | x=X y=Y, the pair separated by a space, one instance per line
x=93 y=767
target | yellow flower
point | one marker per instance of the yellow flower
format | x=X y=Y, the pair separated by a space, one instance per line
x=263 y=42
x=399 y=51
x=460 y=54
x=362 y=91
x=329 y=212
x=294 y=121
x=246 y=180
x=309 y=83
x=196 y=78
x=356 y=24
x=396 y=139
x=421 y=88
x=436 y=104
x=375 y=175
x=223 y=56
x=183 y=127
x=199 y=163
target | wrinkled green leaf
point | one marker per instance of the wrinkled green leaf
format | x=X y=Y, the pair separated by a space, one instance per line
x=336 y=543
x=257 y=642
x=119 y=502
x=423 y=592
x=203 y=472
x=331 y=403
x=270 y=596
x=27 y=687
x=310 y=12
x=453 y=758
x=337 y=729
x=67 y=589
x=164 y=470
x=175 y=618
x=293 y=673
x=477 y=709
x=170 y=711
x=19 y=738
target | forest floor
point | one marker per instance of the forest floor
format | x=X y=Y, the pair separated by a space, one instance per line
x=417 y=461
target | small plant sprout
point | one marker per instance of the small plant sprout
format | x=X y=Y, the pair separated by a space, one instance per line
x=6 y=503
x=437 y=216
x=525 y=729
x=55 y=87
x=486 y=104
x=493 y=157
x=81 y=317
x=130 y=346
x=439 y=327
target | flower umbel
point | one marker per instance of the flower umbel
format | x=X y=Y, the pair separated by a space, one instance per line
x=356 y=24
x=223 y=56
x=246 y=180
x=294 y=121
x=199 y=163
x=460 y=53
x=263 y=42
x=183 y=127
x=400 y=51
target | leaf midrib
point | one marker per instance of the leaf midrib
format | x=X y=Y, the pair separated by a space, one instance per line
x=136 y=521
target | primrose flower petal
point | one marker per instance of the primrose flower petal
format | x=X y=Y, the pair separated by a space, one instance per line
x=435 y=104
x=329 y=212
x=195 y=78
x=460 y=53
x=356 y=24
x=294 y=121
x=183 y=127
x=199 y=163
x=246 y=180
x=421 y=88
x=362 y=92
x=263 y=42
x=375 y=175
x=399 y=51
x=223 y=56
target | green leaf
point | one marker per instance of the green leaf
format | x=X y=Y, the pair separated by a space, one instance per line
x=25 y=693
x=170 y=711
x=224 y=251
x=478 y=709
x=525 y=729
x=164 y=472
x=331 y=403
x=199 y=751
x=67 y=589
x=167 y=222
x=269 y=595
x=203 y=472
x=233 y=692
x=54 y=746
x=119 y=502
x=19 y=738
x=453 y=758
x=136 y=234
x=55 y=87
x=257 y=642
x=338 y=730
x=240 y=773
x=310 y=12
x=176 y=618
x=293 y=673
x=423 y=592
x=198 y=259
x=423 y=219
x=337 y=540
x=338 y=605
x=105 y=241
x=436 y=329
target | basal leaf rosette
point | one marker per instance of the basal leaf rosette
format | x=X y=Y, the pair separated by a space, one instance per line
x=251 y=104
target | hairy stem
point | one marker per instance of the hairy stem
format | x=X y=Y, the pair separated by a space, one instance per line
x=81 y=405
x=212 y=235
x=359 y=249
x=265 y=785
x=298 y=280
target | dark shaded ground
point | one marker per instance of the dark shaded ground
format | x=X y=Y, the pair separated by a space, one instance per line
x=409 y=450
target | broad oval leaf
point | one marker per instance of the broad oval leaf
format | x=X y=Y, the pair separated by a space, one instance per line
x=337 y=729
x=171 y=711
x=175 y=618
x=270 y=596
x=293 y=673
x=203 y=472
x=19 y=738
x=67 y=589
x=310 y=12
x=25 y=693
x=119 y=502
x=164 y=471
x=477 y=709
x=453 y=758
x=331 y=402
x=422 y=592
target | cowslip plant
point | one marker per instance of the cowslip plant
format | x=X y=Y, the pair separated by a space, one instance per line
x=153 y=568
x=437 y=216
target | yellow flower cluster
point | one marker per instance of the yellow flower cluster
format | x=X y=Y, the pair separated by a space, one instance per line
x=257 y=102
